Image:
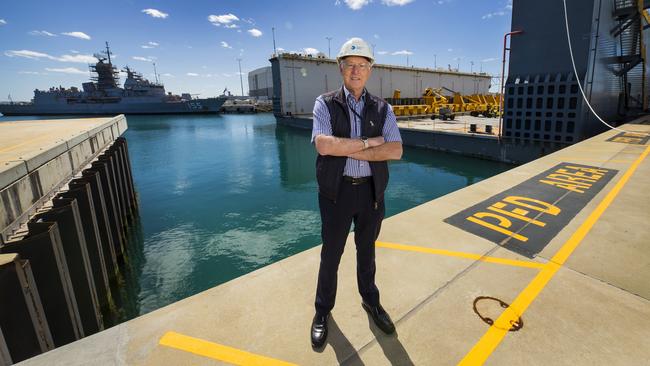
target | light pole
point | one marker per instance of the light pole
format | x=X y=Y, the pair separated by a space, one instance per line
x=329 y=52
x=275 y=52
x=241 y=80
x=407 y=60
x=435 y=61
x=471 y=67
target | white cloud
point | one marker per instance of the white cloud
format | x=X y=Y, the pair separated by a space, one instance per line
x=310 y=51
x=450 y=50
x=146 y=59
x=396 y=2
x=489 y=59
x=168 y=75
x=225 y=44
x=34 y=55
x=280 y=49
x=3 y=22
x=74 y=51
x=28 y=54
x=494 y=14
x=42 y=33
x=255 y=32
x=288 y=25
x=506 y=9
x=224 y=19
x=30 y=72
x=80 y=35
x=88 y=59
x=248 y=20
x=226 y=75
x=150 y=45
x=376 y=36
x=192 y=74
x=402 y=52
x=382 y=52
x=231 y=26
x=356 y=4
x=67 y=70
x=155 y=13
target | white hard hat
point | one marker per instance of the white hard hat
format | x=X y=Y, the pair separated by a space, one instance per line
x=356 y=47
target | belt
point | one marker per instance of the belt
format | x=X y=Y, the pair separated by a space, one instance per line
x=356 y=181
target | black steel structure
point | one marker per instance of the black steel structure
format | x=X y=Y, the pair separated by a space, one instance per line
x=543 y=102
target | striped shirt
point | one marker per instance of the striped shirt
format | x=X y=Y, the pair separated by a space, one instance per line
x=323 y=126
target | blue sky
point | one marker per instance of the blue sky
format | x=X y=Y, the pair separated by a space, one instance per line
x=195 y=44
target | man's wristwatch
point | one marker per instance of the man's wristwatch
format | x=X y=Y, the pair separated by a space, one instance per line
x=365 y=142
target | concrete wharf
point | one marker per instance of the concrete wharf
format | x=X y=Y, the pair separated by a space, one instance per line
x=66 y=202
x=545 y=264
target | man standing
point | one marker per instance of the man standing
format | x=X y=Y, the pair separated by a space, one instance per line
x=355 y=133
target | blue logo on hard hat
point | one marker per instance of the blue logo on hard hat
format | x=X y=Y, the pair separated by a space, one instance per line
x=353 y=47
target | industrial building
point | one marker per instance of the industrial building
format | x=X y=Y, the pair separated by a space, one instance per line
x=260 y=83
x=543 y=102
x=299 y=79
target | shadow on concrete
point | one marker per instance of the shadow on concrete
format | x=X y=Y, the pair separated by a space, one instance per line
x=345 y=352
x=390 y=345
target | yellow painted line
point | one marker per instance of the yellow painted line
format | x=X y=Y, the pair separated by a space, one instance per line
x=495 y=334
x=596 y=160
x=450 y=253
x=217 y=351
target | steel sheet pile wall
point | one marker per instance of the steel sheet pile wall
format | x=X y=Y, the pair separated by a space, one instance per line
x=75 y=246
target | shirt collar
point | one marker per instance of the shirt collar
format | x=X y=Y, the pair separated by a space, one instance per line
x=348 y=94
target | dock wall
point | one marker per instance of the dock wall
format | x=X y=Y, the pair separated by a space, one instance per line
x=67 y=203
x=469 y=144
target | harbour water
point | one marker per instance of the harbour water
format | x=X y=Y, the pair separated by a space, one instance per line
x=223 y=195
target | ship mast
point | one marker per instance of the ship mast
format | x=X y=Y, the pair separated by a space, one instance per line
x=108 y=52
x=155 y=73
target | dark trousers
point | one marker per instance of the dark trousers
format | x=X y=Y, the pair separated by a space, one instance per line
x=355 y=203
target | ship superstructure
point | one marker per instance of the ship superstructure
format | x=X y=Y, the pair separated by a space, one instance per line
x=103 y=95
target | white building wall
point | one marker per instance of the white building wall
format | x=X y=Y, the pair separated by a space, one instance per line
x=303 y=79
x=260 y=82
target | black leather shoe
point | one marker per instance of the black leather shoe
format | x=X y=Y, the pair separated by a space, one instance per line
x=380 y=317
x=319 y=330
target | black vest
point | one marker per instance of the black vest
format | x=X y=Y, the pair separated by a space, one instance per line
x=329 y=169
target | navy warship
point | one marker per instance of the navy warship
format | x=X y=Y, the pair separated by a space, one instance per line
x=103 y=96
